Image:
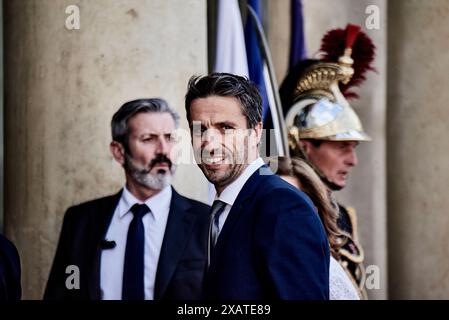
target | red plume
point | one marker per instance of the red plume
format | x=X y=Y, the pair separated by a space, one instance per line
x=352 y=31
x=333 y=46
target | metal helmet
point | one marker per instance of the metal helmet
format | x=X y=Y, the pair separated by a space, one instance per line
x=313 y=93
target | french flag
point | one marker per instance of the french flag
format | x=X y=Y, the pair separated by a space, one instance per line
x=230 y=43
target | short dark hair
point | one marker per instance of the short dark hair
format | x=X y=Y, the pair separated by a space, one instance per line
x=119 y=123
x=227 y=85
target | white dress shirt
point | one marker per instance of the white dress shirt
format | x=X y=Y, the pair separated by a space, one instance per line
x=230 y=193
x=112 y=260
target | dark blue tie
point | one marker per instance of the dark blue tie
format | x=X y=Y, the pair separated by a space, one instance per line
x=133 y=271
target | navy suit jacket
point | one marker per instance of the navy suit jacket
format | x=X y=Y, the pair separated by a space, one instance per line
x=272 y=246
x=10 y=287
x=182 y=261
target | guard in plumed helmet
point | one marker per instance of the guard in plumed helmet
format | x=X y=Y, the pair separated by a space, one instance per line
x=324 y=129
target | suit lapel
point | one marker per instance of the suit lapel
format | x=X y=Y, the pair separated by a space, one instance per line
x=100 y=221
x=178 y=229
x=237 y=210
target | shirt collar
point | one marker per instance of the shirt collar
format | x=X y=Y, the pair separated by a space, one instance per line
x=230 y=193
x=160 y=202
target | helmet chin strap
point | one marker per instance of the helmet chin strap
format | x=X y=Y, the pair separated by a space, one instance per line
x=329 y=183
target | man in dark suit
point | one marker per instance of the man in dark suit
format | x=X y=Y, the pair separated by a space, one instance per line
x=10 y=286
x=145 y=242
x=266 y=239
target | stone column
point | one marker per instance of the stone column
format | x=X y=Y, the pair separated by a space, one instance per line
x=418 y=149
x=62 y=88
x=366 y=190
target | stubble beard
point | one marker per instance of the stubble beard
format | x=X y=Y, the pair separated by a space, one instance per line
x=224 y=177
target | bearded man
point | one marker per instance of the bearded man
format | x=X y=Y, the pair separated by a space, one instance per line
x=145 y=242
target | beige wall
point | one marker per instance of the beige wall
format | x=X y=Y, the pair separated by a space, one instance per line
x=62 y=88
x=418 y=152
x=366 y=190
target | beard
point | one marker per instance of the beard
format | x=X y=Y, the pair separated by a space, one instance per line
x=234 y=162
x=223 y=179
x=142 y=174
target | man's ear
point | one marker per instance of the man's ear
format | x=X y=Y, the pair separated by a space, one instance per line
x=258 y=130
x=118 y=152
x=306 y=145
